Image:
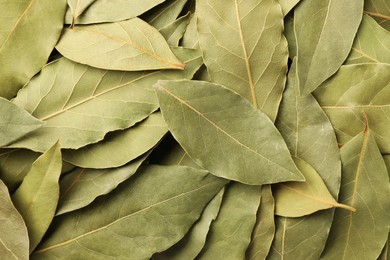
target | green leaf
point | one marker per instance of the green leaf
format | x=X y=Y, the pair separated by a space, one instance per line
x=36 y=198
x=154 y=209
x=230 y=233
x=379 y=10
x=80 y=104
x=371 y=43
x=82 y=186
x=365 y=186
x=295 y=199
x=174 y=32
x=325 y=30
x=387 y=162
x=287 y=5
x=15 y=122
x=289 y=32
x=354 y=90
x=263 y=232
x=13 y=231
x=224 y=133
x=250 y=60
x=29 y=31
x=190 y=37
x=102 y=11
x=164 y=14
x=131 y=45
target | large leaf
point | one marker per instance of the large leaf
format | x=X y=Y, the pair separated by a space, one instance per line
x=230 y=233
x=164 y=14
x=354 y=90
x=324 y=38
x=131 y=45
x=36 y=198
x=29 y=31
x=81 y=104
x=82 y=186
x=145 y=215
x=365 y=186
x=224 y=133
x=15 y=122
x=251 y=60
x=13 y=231
x=102 y=11
x=379 y=10
x=372 y=43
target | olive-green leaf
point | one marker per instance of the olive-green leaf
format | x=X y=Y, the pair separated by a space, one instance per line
x=80 y=187
x=80 y=104
x=13 y=231
x=372 y=43
x=224 y=133
x=263 y=232
x=164 y=14
x=174 y=32
x=295 y=199
x=102 y=11
x=191 y=245
x=386 y=157
x=379 y=10
x=190 y=37
x=174 y=154
x=365 y=186
x=246 y=58
x=325 y=30
x=287 y=5
x=15 y=122
x=230 y=233
x=354 y=90
x=131 y=45
x=146 y=214
x=289 y=32
x=385 y=251
x=29 y=30
x=36 y=198
x=120 y=147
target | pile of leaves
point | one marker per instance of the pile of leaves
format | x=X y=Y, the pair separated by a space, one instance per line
x=183 y=129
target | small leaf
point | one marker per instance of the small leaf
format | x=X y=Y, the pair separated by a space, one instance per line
x=174 y=32
x=164 y=14
x=224 y=133
x=13 y=231
x=36 y=198
x=76 y=8
x=379 y=10
x=190 y=37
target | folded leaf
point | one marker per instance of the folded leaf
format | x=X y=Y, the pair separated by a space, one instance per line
x=154 y=209
x=325 y=30
x=131 y=45
x=365 y=186
x=80 y=104
x=15 y=122
x=36 y=198
x=379 y=10
x=230 y=233
x=224 y=133
x=76 y=8
x=250 y=60
x=164 y=14
x=174 y=32
x=29 y=31
x=354 y=90
x=13 y=231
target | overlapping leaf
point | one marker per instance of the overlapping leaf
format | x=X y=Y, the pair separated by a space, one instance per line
x=174 y=32
x=287 y=5
x=76 y=8
x=379 y=10
x=164 y=14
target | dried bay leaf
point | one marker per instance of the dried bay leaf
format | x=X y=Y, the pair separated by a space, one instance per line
x=325 y=30
x=379 y=10
x=287 y=5
x=224 y=133
x=174 y=32
x=190 y=37
x=289 y=32
x=13 y=232
x=151 y=209
x=164 y=14
x=36 y=198
x=76 y=8
x=250 y=60
x=80 y=104
x=29 y=31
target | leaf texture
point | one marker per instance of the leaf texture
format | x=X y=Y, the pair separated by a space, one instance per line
x=224 y=134
x=128 y=217
x=287 y=5
x=174 y=32
x=76 y=8
x=190 y=37
x=250 y=60
x=380 y=11
x=164 y=14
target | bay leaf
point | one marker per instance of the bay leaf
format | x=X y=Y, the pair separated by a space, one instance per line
x=295 y=199
x=164 y=14
x=379 y=10
x=190 y=37
x=119 y=148
x=371 y=43
x=130 y=45
x=250 y=60
x=13 y=232
x=36 y=198
x=386 y=158
x=74 y=99
x=354 y=90
x=365 y=186
x=385 y=251
x=102 y=11
x=224 y=133
x=29 y=31
x=15 y=122
x=81 y=187
x=289 y=32
x=287 y=5
x=324 y=31
x=174 y=32
x=154 y=209
x=263 y=232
